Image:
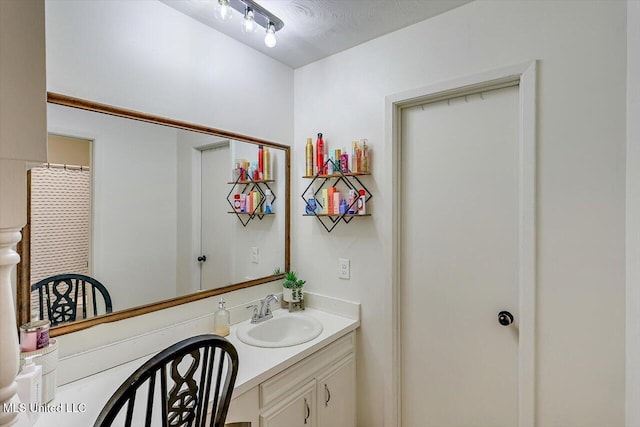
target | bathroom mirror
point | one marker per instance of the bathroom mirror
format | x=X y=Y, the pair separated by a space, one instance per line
x=160 y=225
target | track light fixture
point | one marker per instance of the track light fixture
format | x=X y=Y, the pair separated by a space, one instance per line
x=254 y=15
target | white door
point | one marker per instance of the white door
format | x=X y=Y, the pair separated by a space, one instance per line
x=460 y=261
x=217 y=223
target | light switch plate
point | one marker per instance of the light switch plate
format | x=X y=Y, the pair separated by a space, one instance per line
x=255 y=255
x=343 y=268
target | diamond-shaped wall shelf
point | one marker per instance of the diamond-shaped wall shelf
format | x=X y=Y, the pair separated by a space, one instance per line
x=241 y=186
x=350 y=180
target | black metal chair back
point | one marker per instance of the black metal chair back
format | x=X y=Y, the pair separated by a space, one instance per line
x=210 y=357
x=61 y=295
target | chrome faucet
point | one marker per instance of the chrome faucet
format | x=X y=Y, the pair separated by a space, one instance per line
x=264 y=312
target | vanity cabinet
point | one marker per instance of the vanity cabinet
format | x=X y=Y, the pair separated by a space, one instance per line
x=318 y=391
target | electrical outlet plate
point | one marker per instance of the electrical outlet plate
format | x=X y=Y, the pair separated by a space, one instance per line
x=255 y=255
x=343 y=269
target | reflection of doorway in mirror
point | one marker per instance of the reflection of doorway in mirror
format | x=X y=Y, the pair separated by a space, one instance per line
x=60 y=212
x=216 y=224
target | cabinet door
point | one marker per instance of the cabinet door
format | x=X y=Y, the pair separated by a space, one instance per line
x=337 y=395
x=297 y=410
x=244 y=408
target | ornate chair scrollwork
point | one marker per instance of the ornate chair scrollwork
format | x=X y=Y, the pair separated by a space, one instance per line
x=191 y=374
x=63 y=294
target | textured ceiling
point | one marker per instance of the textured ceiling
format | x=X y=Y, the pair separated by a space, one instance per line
x=314 y=29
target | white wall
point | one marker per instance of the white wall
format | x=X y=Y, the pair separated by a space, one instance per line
x=633 y=213
x=581 y=184
x=145 y=56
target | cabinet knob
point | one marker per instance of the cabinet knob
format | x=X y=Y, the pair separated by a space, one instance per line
x=202 y=258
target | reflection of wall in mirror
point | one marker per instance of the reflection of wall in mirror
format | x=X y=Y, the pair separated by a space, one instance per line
x=234 y=247
x=133 y=247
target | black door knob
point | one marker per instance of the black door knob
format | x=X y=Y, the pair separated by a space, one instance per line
x=505 y=318
x=202 y=258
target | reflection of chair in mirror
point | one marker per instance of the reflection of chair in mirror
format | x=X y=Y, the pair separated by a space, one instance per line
x=191 y=373
x=64 y=294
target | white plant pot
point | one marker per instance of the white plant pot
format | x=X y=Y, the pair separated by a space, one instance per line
x=287 y=295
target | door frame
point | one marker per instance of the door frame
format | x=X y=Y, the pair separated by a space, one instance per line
x=524 y=75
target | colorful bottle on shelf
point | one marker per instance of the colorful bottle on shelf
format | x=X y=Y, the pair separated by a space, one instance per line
x=311 y=207
x=344 y=162
x=355 y=157
x=353 y=202
x=266 y=175
x=362 y=209
x=330 y=163
x=249 y=202
x=255 y=171
x=243 y=202
x=260 y=162
x=320 y=155
x=325 y=201
x=268 y=208
x=326 y=156
x=343 y=207
x=254 y=202
x=365 y=163
x=309 y=158
x=336 y=202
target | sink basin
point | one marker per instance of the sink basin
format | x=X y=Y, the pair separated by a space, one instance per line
x=283 y=330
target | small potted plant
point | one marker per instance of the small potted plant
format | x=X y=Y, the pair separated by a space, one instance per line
x=292 y=289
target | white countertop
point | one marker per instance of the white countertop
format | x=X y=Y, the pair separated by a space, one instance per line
x=79 y=403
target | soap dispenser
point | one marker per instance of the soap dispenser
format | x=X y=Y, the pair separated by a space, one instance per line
x=221 y=320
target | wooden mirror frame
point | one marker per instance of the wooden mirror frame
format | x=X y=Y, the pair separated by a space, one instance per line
x=23 y=270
